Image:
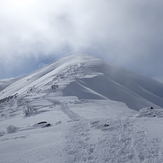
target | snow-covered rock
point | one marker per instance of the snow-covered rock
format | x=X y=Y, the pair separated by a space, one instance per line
x=147 y=112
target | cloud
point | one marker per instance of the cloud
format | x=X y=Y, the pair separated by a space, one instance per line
x=123 y=32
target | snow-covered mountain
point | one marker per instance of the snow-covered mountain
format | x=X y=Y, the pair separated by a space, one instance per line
x=89 y=78
x=81 y=109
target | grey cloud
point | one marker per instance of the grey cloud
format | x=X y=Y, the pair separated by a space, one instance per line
x=127 y=33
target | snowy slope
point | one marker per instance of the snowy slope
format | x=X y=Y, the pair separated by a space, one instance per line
x=92 y=116
x=90 y=78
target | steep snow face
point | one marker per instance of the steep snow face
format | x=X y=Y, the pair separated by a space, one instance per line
x=89 y=78
x=88 y=88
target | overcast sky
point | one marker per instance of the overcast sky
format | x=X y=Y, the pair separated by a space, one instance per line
x=126 y=33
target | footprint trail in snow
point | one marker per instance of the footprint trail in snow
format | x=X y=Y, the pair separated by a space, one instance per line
x=111 y=141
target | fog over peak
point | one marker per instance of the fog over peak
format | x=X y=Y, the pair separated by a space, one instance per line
x=37 y=32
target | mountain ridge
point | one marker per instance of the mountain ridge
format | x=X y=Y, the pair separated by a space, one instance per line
x=90 y=78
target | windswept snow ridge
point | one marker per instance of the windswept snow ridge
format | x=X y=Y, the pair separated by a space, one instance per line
x=90 y=78
x=80 y=109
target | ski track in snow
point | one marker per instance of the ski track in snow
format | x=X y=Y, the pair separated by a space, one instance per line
x=73 y=116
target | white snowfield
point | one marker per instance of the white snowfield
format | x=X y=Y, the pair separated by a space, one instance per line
x=80 y=109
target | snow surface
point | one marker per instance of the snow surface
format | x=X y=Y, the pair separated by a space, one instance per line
x=99 y=113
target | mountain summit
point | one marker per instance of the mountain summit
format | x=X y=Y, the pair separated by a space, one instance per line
x=88 y=78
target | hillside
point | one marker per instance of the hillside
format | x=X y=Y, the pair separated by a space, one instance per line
x=89 y=78
x=81 y=109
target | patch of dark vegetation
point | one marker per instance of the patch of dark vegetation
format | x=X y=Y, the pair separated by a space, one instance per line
x=42 y=122
x=54 y=87
x=106 y=125
x=47 y=125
